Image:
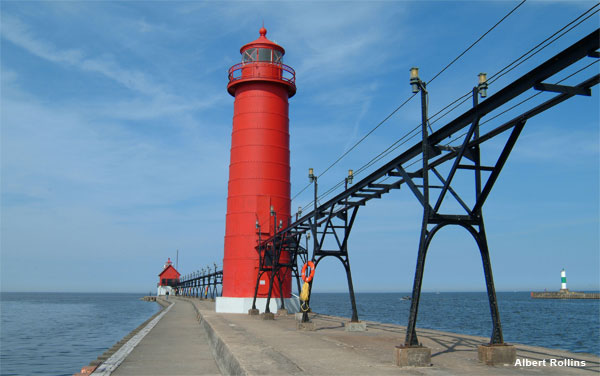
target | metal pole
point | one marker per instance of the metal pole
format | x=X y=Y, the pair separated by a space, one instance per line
x=496 y=338
x=425 y=144
x=347 y=264
x=411 y=335
x=477 y=153
x=272 y=276
x=314 y=232
x=261 y=255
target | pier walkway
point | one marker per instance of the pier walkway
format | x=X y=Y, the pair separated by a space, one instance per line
x=249 y=345
x=177 y=345
x=192 y=339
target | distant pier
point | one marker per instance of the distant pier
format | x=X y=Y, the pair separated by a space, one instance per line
x=564 y=294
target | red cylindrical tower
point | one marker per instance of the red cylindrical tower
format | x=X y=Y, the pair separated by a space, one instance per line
x=259 y=169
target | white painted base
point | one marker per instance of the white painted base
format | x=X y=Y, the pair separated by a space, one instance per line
x=226 y=304
x=162 y=290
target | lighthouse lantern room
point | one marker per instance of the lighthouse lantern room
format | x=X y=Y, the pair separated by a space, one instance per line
x=167 y=279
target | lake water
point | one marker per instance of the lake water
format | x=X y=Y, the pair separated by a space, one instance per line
x=572 y=325
x=58 y=333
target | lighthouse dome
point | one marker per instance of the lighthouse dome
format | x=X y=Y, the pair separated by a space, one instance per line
x=263 y=42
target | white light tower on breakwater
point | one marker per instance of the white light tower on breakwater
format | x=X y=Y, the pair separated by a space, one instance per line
x=563 y=281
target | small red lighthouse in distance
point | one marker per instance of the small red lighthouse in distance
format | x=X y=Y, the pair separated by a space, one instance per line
x=259 y=171
x=167 y=279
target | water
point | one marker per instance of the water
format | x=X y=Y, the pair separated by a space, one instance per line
x=572 y=325
x=58 y=333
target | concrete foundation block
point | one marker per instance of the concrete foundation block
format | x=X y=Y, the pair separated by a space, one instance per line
x=298 y=316
x=497 y=354
x=253 y=312
x=268 y=316
x=360 y=326
x=306 y=326
x=417 y=356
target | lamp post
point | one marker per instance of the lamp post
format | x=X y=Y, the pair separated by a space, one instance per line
x=313 y=179
x=273 y=258
x=274 y=215
x=481 y=89
x=349 y=178
x=262 y=256
x=418 y=85
x=347 y=181
x=202 y=284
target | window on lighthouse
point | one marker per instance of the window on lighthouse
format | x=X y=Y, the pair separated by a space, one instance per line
x=264 y=54
x=249 y=55
x=261 y=54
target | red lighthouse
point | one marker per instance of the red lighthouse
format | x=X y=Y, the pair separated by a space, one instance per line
x=259 y=171
x=167 y=279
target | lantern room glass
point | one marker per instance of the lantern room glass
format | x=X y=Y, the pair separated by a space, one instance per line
x=263 y=55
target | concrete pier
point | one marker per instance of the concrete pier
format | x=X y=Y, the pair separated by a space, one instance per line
x=177 y=345
x=193 y=339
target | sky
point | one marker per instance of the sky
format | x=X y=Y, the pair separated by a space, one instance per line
x=116 y=126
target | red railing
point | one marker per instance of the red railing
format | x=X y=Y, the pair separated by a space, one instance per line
x=276 y=71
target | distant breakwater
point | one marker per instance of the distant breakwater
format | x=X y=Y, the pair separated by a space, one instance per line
x=564 y=294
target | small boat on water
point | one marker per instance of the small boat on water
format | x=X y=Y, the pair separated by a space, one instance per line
x=405 y=298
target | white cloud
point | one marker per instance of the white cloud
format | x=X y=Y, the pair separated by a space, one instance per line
x=19 y=34
x=562 y=146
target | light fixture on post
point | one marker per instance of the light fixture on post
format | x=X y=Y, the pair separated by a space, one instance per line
x=483 y=85
x=272 y=211
x=280 y=223
x=348 y=180
x=299 y=211
x=257 y=225
x=313 y=179
x=414 y=79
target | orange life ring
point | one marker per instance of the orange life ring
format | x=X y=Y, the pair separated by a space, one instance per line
x=312 y=271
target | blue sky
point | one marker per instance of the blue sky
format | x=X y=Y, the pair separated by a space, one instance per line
x=116 y=124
